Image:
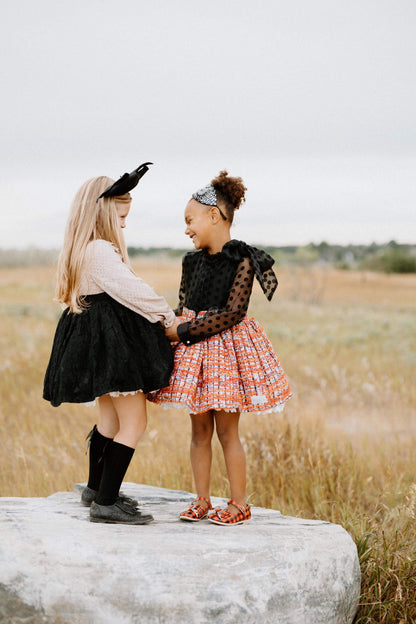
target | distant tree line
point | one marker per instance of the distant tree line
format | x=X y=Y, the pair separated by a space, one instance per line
x=391 y=257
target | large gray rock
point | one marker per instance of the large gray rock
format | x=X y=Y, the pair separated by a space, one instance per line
x=275 y=569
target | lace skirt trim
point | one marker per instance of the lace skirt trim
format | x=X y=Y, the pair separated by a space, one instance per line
x=112 y=394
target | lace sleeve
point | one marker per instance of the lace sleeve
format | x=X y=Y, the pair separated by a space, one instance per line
x=107 y=270
x=217 y=321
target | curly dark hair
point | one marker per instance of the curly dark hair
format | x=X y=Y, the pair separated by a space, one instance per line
x=230 y=192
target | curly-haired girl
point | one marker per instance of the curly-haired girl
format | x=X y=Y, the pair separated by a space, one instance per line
x=224 y=363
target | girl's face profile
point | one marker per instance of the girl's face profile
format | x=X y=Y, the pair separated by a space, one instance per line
x=123 y=210
x=198 y=224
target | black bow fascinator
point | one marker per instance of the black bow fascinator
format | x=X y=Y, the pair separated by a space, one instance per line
x=126 y=183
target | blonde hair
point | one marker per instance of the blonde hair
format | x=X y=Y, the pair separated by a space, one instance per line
x=88 y=220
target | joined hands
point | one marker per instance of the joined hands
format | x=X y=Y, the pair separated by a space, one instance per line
x=171 y=332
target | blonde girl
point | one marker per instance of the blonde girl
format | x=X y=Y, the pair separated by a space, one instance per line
x=110 y=342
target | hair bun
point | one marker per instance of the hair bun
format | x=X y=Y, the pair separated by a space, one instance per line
x=230 y=189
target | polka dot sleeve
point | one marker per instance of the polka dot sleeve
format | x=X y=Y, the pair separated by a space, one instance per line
x=214 y=322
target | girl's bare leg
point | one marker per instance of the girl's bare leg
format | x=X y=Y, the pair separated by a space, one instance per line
x=132 y=418
x=123 y=418
x=235 y=459
x=108 y=424
x=201 y=452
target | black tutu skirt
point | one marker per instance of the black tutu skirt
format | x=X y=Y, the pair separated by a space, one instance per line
x=107 y=348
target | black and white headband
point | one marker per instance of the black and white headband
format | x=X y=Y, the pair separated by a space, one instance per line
x=208 y=196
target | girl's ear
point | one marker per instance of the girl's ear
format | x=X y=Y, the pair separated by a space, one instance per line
x=214 y=215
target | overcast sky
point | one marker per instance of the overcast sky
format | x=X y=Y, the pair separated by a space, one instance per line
x=312 y=103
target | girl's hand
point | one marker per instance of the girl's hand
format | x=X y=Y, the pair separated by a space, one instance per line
x=171 y=332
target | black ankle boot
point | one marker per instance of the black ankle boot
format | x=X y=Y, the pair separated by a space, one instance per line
x=88 y=496
x=118 y=513
x=108 y=506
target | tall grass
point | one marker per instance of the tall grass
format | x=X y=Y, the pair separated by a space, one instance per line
x=343 y=450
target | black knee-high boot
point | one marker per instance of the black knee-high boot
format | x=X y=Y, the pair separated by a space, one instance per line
x=97 y=446
x=116 y=461
x=108 y=505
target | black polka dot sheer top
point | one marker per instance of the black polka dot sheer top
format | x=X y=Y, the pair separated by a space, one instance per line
x=220 y=285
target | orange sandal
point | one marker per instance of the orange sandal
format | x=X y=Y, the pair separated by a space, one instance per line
x=226 y=517
x=196 y=512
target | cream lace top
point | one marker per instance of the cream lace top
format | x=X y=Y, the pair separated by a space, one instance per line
x=105 y=271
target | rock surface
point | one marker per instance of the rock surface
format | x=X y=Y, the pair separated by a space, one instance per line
x=275 y=569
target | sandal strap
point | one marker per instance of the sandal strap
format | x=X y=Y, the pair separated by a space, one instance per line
x=225 y=516
x=196 y=510
x=199 y=498
x=242 y=508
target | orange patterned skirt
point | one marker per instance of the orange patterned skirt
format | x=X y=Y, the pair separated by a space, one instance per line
x=235 y=370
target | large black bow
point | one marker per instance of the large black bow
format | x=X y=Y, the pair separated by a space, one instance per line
x=126 y=183
x=262 y=263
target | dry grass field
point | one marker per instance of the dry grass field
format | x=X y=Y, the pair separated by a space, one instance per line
x=343 y=450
